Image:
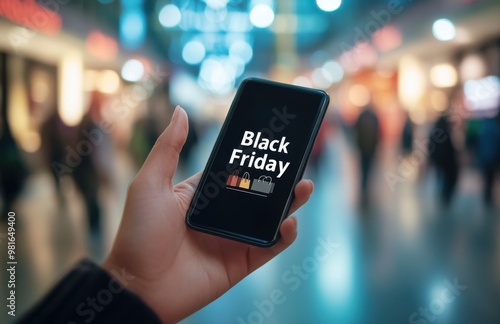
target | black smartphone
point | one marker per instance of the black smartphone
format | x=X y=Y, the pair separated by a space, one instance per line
x=247 y=187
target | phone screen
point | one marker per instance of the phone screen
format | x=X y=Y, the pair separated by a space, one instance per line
x=247 y=187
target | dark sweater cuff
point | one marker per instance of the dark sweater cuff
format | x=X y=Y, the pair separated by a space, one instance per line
x=88 y=294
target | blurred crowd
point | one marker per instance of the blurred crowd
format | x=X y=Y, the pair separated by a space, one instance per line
x=86 y=153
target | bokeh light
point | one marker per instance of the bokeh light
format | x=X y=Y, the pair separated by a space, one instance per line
x=443 y=29
x=101 y=46
x=302 y=81
x=328 y=5
x=242 y=50
x=472 y=67
x=90 y=80
x=387 y=38
x=333 y=71
x=321 y=78
x=71 y=88
x=483 y=94
x=216 y=4
x=193 y=52
x=133 y=70
x=365 y=54
x=169 y=16
x=359 y=95
x=438 y=100
x=217 y=75
x=350 y=62
x=411 y=82
x=109 y=82
x=443 y=75
x=132 y=28
x=262 y=16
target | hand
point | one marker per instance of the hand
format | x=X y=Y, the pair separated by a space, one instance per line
x=178 y=270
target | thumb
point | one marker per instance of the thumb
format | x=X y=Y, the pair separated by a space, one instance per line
x=161 y=162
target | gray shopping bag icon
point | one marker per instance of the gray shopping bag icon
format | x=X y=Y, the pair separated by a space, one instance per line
x=264 y=184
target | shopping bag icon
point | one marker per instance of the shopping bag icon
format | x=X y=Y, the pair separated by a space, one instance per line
x=264 y=184
x=245 y=181
x=233 y=180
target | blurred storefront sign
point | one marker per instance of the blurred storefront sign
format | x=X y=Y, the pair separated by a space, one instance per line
x=101 y=46
x=31 y=14
x=483 y=96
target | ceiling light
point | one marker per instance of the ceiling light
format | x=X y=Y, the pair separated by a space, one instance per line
x=328 y=5
x=193 y=52
x=132 y=70
x=443 y=75
x=169 y=16
x=443 y=30
x=262 y=16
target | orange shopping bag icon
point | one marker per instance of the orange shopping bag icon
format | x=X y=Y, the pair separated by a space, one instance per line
x=245 y=181
x=233 y=180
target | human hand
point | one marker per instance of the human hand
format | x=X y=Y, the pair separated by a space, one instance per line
x=178 y=270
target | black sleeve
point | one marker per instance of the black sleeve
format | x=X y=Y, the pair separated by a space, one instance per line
x=88 y=294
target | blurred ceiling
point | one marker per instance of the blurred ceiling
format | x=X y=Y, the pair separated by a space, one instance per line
x=301 y=35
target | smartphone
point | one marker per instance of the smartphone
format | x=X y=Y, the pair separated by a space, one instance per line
x=261 y=152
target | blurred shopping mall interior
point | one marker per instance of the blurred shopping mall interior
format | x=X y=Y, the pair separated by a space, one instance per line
x=406 y=165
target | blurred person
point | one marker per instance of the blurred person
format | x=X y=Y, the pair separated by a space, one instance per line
x=443 y=155
x=319 y=146
x=150 y=124
x=144 y=135
x=488 y=153
x=159 y=270
x=13 y=171
x=407 y=136
x=55 y=136
x=472 y=128
x=95 y=167
x=367 y=132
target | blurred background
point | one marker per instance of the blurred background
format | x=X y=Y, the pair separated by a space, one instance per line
x=404 y=222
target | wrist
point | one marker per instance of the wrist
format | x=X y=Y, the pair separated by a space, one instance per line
x=124 y=277
x=132 y=282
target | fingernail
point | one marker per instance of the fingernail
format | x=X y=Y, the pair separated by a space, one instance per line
x=295 y=225
x=174 y=115
x=311 y=182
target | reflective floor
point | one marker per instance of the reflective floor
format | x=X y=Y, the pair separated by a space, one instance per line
x=404 y=259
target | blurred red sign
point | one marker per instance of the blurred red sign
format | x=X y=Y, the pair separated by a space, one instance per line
x=101 y=46
x=32 y=15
